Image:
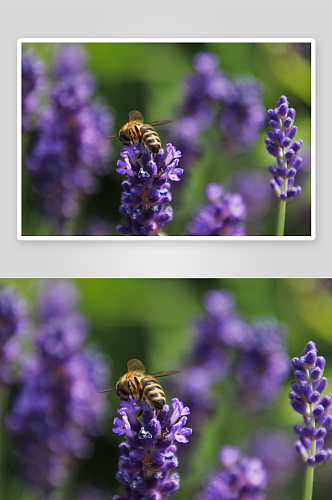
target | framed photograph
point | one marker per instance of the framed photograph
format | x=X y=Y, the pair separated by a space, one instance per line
x=176 y=138
x=200 y=389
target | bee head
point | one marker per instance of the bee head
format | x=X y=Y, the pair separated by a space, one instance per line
x=122 y=390
x=123 y=136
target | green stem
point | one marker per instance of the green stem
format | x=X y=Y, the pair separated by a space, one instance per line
x=280 y=230
x=309 y=477
x=281 y=219
x=308 y=483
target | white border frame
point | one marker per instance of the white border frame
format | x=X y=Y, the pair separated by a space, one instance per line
x=20 y=41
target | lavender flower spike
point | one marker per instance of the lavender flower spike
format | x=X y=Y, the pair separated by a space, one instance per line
x=148 y=452
x=223 y=216
x=147 y=189
x=242 y=477
x=306 y=398
x=32 y=81
x=13 y=323
x=279 y=143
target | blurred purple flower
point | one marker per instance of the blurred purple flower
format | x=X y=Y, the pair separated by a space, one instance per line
x=206 y=86
x=33 y=80
x=279 y=143
x=211 y=98
x=252 y=186
x=226 y=345
x=70 y=151
x=262 y=365
x=148 y=453
x=223 y=216
x=216 y=332
x=88 y=492
x=13 y=322
x=242 y=478
x=242 y=116
x=98 y=226
x=306 y=398
x=59 y=405
x=277 y=453
x=147 y=189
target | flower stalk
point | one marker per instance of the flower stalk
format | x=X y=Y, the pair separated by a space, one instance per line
x=279 y=144
x=306 y=398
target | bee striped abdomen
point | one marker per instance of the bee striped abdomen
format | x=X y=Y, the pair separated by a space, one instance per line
x=150 y=139
x=154 y=393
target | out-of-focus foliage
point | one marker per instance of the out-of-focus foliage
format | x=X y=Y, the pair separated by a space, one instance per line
x=150 y=77
x=152 y=320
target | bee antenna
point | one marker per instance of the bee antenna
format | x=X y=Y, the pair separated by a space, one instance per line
x=112 y=137
x=107 y=390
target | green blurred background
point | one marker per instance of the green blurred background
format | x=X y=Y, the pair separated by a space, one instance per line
x=149 y=77
x=151 y=319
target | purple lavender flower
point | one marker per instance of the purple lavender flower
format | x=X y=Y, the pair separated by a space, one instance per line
x=280 y=144
x=274 y=448
x=147 y=189
x=32 y=81
x=306 y=398
x=242 y=116
x=202 y=89
x=219 y=330
x=148 y=453
x=223 y=216
x=251 y=185
x=59 y=406
x=13 y=322
x=242 y=477
x=262 y=365
x=212 y=99
x=71 y=150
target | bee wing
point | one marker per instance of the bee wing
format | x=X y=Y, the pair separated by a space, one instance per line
x=165 y=373
x=135 y=365
x=107 y=390
x=160 y=122
x=135 y=116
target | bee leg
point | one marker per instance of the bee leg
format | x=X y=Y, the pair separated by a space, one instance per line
x=140 y=141
x=131 y=392
x=139 y=414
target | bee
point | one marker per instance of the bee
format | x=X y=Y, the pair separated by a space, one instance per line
x=138 y=385
x=140 y=133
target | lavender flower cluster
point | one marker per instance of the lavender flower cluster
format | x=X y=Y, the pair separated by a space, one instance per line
x=211 y=97
x=32 y=81
x=242 y=116
x=148 y=453
x=223 y=216
x=58 y=407
x=306 y=398
x=225 y=344
x=70 y=151
x=146 y=190
x=262 y=364
x=13 y=323
x=242 y=477
x=279 y=144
